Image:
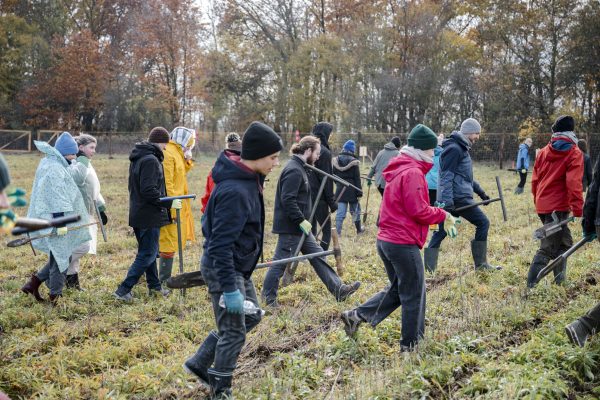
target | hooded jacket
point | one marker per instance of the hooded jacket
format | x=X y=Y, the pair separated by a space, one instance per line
x=4 y=175
x=293 y=200
x=405 y=213
x=381 y=161
x=433 y=175
x=233 y=225
x=146 y=186
x=591 y=209
x=456 y=171
x=556 y=183
x=523 y=157
x=323 y=130
x=347 y=167
x=55 y=192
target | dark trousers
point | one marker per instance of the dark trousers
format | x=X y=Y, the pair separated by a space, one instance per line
x=286 y=245
x=523 y=179
x=381 y=190
x=231 y=328
x=474 y=215
x=432 y=197
x=145 y=261
x=591 y=319
x=404 y=268
x=55 y=280
x=550 y=248
x=321 y=214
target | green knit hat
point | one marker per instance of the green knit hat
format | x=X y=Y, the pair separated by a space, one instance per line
x=422 y=137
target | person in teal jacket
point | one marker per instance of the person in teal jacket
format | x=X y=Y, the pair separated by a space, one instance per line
x=433 y=175
x=522 y=165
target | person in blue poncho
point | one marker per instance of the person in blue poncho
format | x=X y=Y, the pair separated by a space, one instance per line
x=522 y=165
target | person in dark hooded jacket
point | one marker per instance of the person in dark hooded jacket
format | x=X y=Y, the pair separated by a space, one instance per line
x=327 y=203
x=233 y=228
x=556 y=186
x=347 y=167
x=146 y=213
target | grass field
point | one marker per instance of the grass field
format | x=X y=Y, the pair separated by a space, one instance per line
x=484 y=338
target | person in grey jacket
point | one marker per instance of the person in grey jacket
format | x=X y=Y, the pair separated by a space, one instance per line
x=390 y=150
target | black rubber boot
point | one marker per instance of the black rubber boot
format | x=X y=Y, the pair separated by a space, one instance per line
x=220 y=385
x=479 y=251
x=359 y=228
x=430 y=256
x=73 y=282
x=199 y=363
x=538 y=263
x=32 y=287
x=577 y=332
x=165 y=268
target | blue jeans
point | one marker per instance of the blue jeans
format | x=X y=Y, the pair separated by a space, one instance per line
x=404 y=268
x=145 y=261
x=474 y=215
x=340 y=215
x=55 y=280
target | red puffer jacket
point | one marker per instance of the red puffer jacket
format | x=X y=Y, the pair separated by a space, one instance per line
x=556 y=184
x=405 y=211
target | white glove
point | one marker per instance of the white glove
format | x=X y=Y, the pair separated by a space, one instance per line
x=177 y=204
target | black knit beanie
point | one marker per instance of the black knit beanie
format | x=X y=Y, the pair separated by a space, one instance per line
x=397 y=142
x=564 y=123
x=260 y=141
x=158 y=135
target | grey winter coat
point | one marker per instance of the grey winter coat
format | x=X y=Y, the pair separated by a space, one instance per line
x=381 y=161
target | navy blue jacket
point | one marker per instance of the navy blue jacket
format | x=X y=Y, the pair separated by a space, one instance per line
x=234 y=221
x=456 y=181
x=322 y=130
x=293 y=201
x=347 y=167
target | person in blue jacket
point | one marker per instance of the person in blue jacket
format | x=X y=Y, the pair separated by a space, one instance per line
x=455 y=190
x=233 y=228
x=522 y=165
x=433 y=175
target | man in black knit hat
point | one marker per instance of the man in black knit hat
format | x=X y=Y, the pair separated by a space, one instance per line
x=233 y=228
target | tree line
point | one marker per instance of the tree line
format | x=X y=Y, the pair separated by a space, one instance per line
x=364 y=65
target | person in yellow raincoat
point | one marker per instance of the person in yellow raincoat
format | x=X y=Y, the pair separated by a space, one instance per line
x=176 y=164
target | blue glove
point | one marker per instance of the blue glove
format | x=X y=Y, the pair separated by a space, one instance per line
x=590 y=237
x=234 y=302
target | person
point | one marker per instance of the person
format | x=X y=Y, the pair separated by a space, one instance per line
x=347 y=167
x=382 y=159
x=55 y=194
x=588 y=324
x=522 y=165
x=587 y=164
x=557 y=187
x=177 y=163
x=433 y=175
x=88 y=183
x=233 y=229
x=233 y=142
x=147 y=214
x=293 y=203
x=405 y=217
x=327 y=203
x=455 y=189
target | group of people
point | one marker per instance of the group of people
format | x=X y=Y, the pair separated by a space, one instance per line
x=427 y=182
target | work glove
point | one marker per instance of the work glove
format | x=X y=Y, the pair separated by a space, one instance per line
x=17 y=197
x=177 y=204
x=102 y=208
x=84 y=160
x=305 y=227
x=7 y=220
x=234 y=302
x=523 y=171
x=369 y=182
x=450 y=225
x=439 y=204
x=484 y=197
x=591 y=236
x=62 y=231
x=103 y=217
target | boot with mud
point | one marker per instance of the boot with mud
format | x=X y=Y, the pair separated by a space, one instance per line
x=479 y=251
x=165 y=269
x=220 y=385
x=32 y=287
x=430 y=257
x=346 y=291
x=538 y=263
x=351 y=320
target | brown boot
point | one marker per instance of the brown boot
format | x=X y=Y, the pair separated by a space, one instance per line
x=32 y=287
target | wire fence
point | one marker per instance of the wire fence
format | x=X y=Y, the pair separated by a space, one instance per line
x=498 y=148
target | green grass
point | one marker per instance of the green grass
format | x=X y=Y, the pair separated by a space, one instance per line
x=484 y=339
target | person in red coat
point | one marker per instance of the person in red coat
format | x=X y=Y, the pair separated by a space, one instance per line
x=403 y=225
x=233 y=143
x=556 y=186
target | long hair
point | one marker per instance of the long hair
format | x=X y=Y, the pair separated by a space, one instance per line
x=306 y=143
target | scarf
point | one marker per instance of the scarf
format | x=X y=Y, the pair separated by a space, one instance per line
x=416 y=154
x=568 y=135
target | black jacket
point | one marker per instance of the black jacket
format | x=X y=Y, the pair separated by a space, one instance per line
x=591 y=208
x=347 y=167
x=322 y=130
x=587 y=171
x=293 y=200
x=146 y=186
x=233 y=225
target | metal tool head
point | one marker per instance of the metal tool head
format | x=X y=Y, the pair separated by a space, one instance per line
x=501 y=196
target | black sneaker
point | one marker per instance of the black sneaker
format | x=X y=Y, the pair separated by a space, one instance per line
x=352 y=321
x=347 y=290
x=577 y=333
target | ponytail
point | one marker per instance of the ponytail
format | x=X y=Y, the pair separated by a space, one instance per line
x=306 y=143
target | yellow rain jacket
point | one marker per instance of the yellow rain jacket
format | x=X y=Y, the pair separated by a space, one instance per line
x=176 y=168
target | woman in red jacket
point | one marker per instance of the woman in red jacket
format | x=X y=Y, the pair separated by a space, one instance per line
x=405 y=219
